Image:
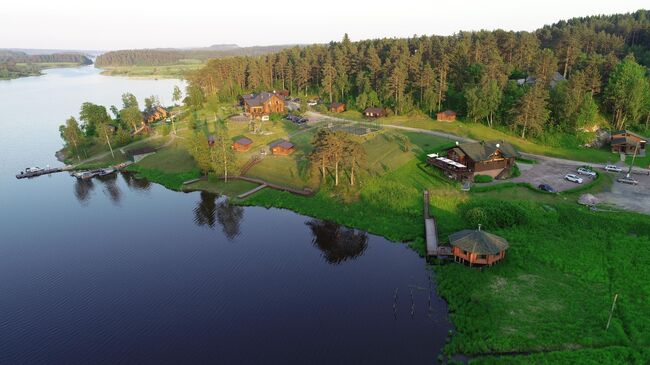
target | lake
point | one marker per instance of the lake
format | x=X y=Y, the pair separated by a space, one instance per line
x=118 y=270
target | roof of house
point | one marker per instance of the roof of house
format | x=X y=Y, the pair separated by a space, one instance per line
x=281 y=143
x=258 y=99
x=374 y=110
x=481 y=151
x=531 y=80
x=244 y=141
x=211 y=138
x=478 y=241
x=336 y=105
x=448 y=112
x=625 y=132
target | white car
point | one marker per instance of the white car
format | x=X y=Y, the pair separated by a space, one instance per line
x=613 y=168
x=586 y=171
x=573 y=178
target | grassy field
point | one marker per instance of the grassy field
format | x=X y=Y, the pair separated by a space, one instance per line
x=218 y=186
x=166 y=71
x=479 y=131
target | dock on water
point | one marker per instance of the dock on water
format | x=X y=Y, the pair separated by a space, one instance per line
x=27 y=173
x=431 y=233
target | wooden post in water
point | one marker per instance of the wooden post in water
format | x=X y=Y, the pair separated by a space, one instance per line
x=611 y=312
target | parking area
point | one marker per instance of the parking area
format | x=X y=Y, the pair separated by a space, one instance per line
x=551 y=173
x=625 y=196
x=631 y=197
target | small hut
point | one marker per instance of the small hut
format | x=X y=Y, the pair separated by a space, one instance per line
x=446 y=116
x=477 y=247
x=211 y=140
x=337 y=107
x=283 y=148
x=374 y=112
x=242 y=145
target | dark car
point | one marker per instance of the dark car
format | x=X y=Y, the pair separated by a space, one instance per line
x=547 y=188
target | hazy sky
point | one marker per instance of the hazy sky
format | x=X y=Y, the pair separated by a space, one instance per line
x=119 y=24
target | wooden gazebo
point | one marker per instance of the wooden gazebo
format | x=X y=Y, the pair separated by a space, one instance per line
x=477 y=247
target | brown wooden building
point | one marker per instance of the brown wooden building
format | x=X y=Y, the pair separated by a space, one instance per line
x=158 y=113
x=283 y=148
x=261 y=104
x=627 y=142
x=374 y=112
x=337 y=107
x=477 y=247
x=465 y=160
x=446 y=116
x=242 y=145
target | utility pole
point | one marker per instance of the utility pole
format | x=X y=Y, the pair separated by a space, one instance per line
x=636 y=150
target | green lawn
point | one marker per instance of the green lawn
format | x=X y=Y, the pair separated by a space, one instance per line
x=166 y=71
x=218 y=186
x=482 y=132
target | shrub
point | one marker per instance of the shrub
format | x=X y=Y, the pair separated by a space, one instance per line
x=482 y=179
x=514 y=171
x=493 y=213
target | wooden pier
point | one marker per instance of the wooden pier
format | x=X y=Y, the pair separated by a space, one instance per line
x=251 y=192
x=28 y=174
x=431 y=233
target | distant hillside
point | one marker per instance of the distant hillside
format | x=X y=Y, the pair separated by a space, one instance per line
x=162 y=57
x=22 y=57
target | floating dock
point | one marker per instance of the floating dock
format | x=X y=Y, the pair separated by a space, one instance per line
x=28 y=174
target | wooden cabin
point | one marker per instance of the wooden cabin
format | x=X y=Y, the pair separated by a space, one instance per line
x=465 y=160
x=626 y=142
x=158 y=113
x=242 y=145
x=374 y=112
x=261 y=104
x=337 y=107
x=477 y=247
x=283 y=148
x=446 y=116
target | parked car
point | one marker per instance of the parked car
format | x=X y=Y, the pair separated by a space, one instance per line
x=547 y=188
x=573 y=178
x=627 y=180
x=613 y=168
x=586 y=171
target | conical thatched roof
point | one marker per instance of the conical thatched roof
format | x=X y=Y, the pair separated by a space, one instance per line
x=478 y=241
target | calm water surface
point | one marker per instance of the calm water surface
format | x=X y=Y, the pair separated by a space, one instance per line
x=122 y=271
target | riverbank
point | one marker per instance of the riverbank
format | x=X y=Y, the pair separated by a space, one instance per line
x=553 y=292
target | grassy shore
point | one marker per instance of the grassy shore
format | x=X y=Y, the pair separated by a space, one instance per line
x=158 y=72
x=547 y=303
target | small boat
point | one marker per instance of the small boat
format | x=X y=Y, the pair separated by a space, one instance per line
x=30 y=171
x=85 y=175
x=107 y=171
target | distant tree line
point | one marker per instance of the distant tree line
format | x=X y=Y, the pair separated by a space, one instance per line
x=602 y=63
x=160 y=57
x=21 y=57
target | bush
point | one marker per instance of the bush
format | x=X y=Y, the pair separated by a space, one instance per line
x=493 y=213
x=514 y=171
x=483 y=179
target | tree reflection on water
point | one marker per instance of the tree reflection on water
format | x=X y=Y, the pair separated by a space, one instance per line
x=337 y=243
x=208 y=212
x=82 y=189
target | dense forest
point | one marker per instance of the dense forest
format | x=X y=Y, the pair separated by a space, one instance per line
x=21 y=57
x=562 y=77
x=160 y=57
x=15 y=64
